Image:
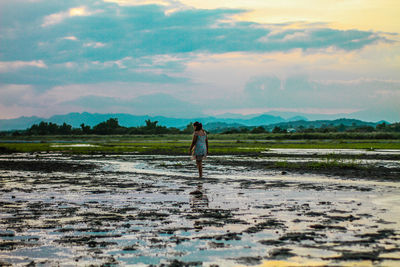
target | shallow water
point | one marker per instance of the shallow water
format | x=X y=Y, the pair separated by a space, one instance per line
x=316 y=151
x=141 y=210
x=74 y=145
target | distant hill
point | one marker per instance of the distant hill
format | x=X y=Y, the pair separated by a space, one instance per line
x=128 y=120
x=210 y=123
x=319 y=123
x=221 y=126
x=74 y=119
x=20 y=123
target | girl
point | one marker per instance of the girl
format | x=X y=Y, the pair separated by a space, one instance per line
x=200 y=144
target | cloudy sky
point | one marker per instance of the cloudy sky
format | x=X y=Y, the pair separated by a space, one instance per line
x=188 y=58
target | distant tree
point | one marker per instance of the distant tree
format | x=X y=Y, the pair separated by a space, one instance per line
x=151 y=124
x=231 y=131
x=258 y=129
x=173 y=130
x=16 y=133
x=395 y=127
x=278 y=129
x=326 y=128
x=381 y=127
x=110 y=126
x=151 y=127
x=65 y=129
x=52 y=128
x=76 y=131
x=300 y=129
x=46 y=128
x=341 y=128
x=365 y=129
x=188 y=129
x=85 y=128
x=310 y=129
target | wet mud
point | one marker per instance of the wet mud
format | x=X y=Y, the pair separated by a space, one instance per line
x=301 y=165
x=152 y=210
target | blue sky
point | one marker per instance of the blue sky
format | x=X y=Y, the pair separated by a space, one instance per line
x=182 y=59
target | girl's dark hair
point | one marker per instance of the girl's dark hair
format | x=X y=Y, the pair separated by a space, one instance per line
x=198 y=126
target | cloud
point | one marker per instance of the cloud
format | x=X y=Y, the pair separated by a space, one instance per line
x=99 y=33
x=139 y=2
x=13 y=65
x=317 y=38
x=60 y=16
x=94 y=44
x=303 y=92
x=123 y=70
x=148 y=30
x=16 y=99
x=72 y=38
x=16 y=95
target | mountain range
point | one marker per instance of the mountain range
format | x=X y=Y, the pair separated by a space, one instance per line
x=210 y=122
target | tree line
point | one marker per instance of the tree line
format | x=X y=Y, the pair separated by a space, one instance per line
x=109 y=127
x=382 y=127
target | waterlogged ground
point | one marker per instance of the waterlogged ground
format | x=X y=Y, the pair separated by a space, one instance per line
x=151 y=210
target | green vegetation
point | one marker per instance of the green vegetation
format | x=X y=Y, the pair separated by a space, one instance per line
x=110 y=137
x=327 y=163
x=178 y=144
x=149 y=147
x=309 y=129
x=311 y=135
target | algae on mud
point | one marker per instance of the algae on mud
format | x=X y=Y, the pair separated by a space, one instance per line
x=142 y=209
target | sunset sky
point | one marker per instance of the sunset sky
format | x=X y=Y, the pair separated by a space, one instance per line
x=192 y=58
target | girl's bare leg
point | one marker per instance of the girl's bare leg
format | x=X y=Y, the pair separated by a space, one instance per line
x=200 y=168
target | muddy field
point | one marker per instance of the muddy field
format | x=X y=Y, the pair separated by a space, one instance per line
x=126 y=209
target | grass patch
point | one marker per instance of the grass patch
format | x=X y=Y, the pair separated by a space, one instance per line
x=328 y=163
x=334 y=163
x=179 y=144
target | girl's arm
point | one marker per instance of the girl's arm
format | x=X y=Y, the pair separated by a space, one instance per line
x=194 y=140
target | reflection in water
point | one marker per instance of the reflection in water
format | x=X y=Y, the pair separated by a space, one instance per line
x=198 y=199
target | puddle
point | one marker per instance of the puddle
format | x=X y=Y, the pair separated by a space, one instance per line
x=74 y=145
x=151 y=209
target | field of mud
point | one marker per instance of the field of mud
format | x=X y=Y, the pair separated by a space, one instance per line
x=110 y=210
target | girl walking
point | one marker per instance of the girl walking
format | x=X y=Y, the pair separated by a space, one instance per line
x=200 y=145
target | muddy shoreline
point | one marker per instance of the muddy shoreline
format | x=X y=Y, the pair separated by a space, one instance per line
x=113 y=210
x=345 y=171
x=45 y=166
x=374 y=172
